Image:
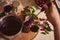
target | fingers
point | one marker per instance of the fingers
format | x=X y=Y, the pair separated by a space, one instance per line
x=48 y=8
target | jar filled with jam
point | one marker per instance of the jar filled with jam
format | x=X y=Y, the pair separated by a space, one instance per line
x=8 y=8
x=5 y=10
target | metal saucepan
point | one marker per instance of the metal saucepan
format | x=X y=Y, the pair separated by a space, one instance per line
x=10 y=26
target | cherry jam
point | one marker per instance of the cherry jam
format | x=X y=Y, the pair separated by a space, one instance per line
x=7 y=8
x=10 y=25
x=34 y=28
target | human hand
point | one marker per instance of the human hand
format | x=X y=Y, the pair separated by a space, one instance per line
x=51 y=11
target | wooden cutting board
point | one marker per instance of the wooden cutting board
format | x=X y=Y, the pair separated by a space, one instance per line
x=25 y=36
x=30 y=35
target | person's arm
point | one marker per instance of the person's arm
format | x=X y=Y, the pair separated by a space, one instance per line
x=53 y=17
